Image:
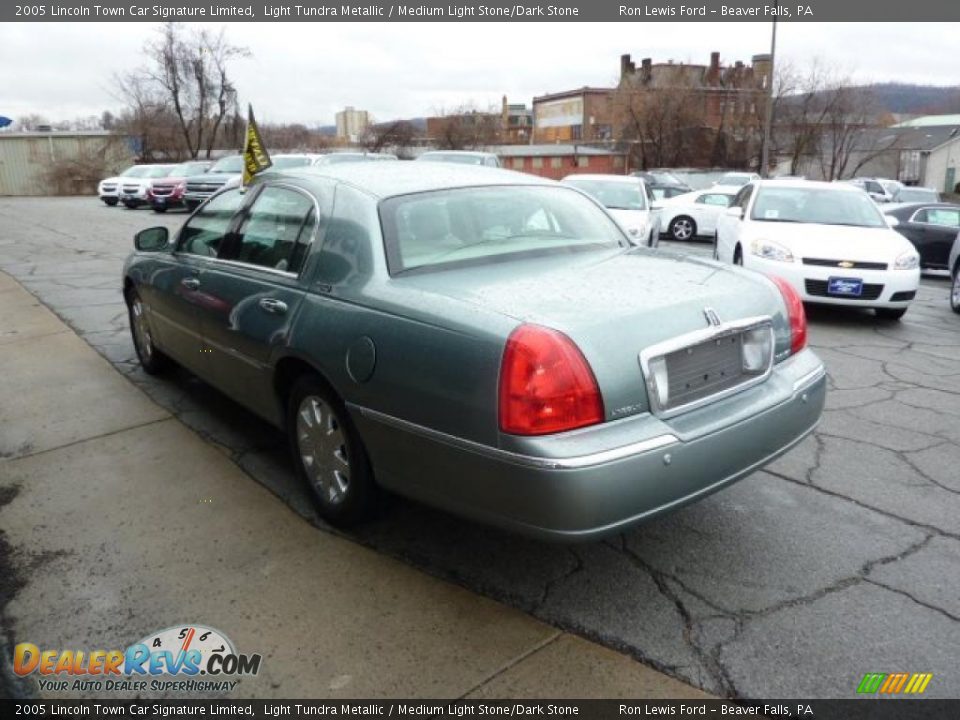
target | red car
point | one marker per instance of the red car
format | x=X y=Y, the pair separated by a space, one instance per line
x=167 y=192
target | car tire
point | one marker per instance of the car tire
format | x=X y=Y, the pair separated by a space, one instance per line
x=151 y=359
x=738 y=256
x=191 y=206
x=328 y=454
x=159 y=209
x=130 y=205
x=110 y=201
x=955 y=292
x=890 y=313
x=682 y=228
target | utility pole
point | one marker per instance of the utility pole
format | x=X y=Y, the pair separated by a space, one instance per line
x=768 y=121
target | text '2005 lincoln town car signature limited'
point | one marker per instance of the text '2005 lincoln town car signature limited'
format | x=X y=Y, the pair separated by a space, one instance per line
x=477 y=339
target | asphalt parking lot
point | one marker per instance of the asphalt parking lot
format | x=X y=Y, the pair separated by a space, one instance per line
x=839 y=559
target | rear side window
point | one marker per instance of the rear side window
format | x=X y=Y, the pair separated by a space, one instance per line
x=204 y=232
x=276 y=231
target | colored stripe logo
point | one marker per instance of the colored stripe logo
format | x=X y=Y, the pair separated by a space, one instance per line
x=894 y=683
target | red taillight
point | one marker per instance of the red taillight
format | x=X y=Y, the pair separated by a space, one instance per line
x=546 y=385
x=795 y=313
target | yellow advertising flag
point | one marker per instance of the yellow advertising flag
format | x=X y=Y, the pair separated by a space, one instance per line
x=255 y=155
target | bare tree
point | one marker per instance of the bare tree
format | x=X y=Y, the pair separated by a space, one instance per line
x=397 y=135
x=187 y=71
x=663 y=122
x=465 y=127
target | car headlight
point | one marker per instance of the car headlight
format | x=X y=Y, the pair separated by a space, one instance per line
x=769 y=250
x=907 y=261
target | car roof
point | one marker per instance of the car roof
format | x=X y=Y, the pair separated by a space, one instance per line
x=389 y=179
x=917 y=204
x=813 y=184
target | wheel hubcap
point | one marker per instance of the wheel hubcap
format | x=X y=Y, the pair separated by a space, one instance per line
x=323 y=449
x=141 y=331
x=955 y=293
x=682 y=230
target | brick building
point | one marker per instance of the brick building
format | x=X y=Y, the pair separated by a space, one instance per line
x=582 y=115
x=556 y=161
x=724 y=95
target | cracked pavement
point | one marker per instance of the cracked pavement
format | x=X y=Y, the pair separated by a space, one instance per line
x=841 y=558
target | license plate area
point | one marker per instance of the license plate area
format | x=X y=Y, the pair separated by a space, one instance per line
x=704 y=369
x=845 y=287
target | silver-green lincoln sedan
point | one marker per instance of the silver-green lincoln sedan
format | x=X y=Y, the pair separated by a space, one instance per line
x=484 y=341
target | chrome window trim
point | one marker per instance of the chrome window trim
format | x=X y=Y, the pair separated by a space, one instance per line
x=695 y=338
x=531 y=461
x=251 y=266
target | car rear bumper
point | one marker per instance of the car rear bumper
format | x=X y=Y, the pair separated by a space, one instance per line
x=896 y=288
x=614 y=485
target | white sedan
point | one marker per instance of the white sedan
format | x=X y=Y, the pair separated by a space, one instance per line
x=828 y=240
x=685 y=216
x=625 y=198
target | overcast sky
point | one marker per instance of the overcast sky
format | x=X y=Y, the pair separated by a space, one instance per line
x=305 y=72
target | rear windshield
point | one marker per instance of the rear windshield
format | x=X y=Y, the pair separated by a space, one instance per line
x=453 y=158
x=917 y=195
x=488 y=224
x=613 y=194
x=290 y=162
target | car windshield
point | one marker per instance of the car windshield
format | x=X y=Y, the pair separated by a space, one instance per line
x=182 y=170
x=613 y=194
x=665 y=178
x=232 y=164
x=341 y=158
x=823 y=206
x=917 y=195
x=137 y=171
x=733 y=180
x=157 y=171
x=453 y=158
x=486 y=224
x=290 y=162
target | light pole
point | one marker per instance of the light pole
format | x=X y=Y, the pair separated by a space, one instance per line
x=768 y=121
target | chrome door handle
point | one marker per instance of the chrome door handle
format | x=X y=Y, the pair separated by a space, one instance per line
x=190 y=283
x=277 y=307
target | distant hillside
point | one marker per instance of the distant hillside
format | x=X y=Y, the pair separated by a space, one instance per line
x=916 y=99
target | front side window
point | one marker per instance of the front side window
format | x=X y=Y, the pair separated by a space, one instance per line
x=821 y=206
x=277 y=230
x=480 y=225
x=204 y=232
x=716 y=199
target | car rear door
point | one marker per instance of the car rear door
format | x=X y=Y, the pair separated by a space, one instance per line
x=256 y=282
x=176 y=299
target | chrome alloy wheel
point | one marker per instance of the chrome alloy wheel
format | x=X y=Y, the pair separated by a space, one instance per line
x=141 y=331
x=682 y=229
x=323 y=449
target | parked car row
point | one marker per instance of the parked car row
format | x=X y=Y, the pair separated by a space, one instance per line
x=187 y=185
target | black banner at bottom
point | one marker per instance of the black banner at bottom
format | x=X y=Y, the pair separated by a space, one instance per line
x=859 y=709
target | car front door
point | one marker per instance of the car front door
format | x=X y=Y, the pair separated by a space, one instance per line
x=256 y=283
x=932 y=230
x=176 y=298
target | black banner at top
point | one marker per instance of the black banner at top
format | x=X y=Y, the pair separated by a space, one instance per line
x=485 y=11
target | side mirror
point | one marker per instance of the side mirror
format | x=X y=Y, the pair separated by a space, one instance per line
x=892 y=221
x=734 y=212
x=152 y=239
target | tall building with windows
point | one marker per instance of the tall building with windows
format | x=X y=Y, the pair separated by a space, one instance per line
x=351 y=123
